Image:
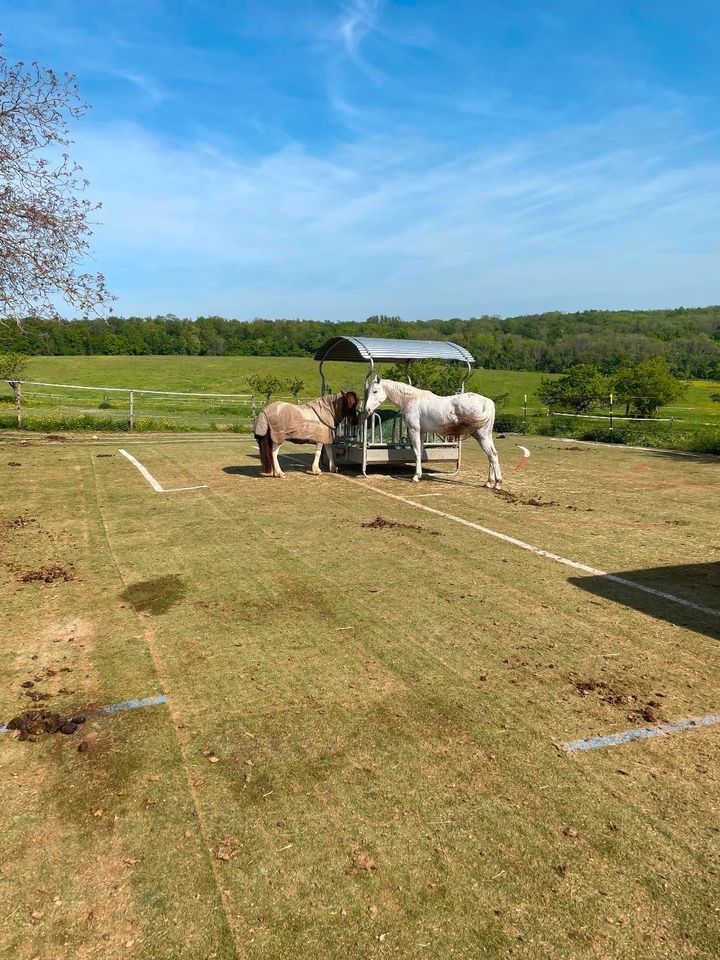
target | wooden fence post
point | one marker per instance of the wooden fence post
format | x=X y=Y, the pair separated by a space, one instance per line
x=17 y=390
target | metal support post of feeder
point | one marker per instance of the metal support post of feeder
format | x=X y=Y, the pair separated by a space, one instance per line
x=132 y=410
x=611 y=411
x=524 y=413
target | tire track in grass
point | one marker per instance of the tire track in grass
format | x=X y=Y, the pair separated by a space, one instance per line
x=162 y=678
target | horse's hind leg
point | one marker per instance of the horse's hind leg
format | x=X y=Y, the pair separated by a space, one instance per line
x=277 y=471
x=315 y=468
x=416 y=442
x=485 y=439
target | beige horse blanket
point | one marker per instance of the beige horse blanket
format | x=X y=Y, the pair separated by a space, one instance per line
x=312 y=422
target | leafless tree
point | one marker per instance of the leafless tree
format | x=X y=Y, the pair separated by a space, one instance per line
x=45 y=222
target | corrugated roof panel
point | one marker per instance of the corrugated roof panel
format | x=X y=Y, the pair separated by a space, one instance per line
x=392 y=351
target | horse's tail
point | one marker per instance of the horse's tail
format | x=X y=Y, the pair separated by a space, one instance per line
x=264 y=442
x=265 y=446
x=491 y=414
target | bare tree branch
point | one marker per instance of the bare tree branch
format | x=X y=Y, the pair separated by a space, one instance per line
x=45 y=223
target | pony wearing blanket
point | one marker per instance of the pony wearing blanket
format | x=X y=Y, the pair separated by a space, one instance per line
x=460 y=416
x=313 y=422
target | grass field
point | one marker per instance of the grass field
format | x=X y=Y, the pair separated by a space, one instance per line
x=360 y=752
x=229 y=374
x=52 y=409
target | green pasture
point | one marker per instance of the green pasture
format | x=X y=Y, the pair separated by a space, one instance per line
x=53 y=409
x=361 y=751
x=230 y=374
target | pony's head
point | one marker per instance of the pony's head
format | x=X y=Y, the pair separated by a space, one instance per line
x=349 y=406
x=375 y=396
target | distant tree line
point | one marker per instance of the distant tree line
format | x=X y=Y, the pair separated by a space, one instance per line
x=688 y=339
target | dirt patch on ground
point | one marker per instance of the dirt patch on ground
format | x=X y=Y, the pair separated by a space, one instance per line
x=647 y=712
x=14 y=463
x=155 y=596
x=50 y=573
x=55 y=437
x=18 y=522
x=34 y=723
x=380 y=523
x=509 y=497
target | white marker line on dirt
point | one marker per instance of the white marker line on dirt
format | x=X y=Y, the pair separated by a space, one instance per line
x=525 y=451
x=547 y=554
x=93 y=712
x=151 y=479
x=640 y=733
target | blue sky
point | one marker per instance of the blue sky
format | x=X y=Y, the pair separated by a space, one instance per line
x=429 y=159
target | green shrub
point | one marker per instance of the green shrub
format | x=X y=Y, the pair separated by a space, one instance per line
x=509 y=423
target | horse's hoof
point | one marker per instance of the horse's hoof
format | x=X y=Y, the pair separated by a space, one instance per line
x=315 y=473
x=416 y=479
x=489 y=485
x=267 y=474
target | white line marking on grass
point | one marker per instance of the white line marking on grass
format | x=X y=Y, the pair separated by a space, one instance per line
x=640 y=733
x=151 y=479
x=525 y=451
x=711 y=611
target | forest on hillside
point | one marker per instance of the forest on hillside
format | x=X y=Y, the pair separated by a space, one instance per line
x=688 y=338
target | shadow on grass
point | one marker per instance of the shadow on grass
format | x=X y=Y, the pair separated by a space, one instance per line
x=695 y=582
x=244 y=471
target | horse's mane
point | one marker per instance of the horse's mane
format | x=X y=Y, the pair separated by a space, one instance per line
x=404 y=389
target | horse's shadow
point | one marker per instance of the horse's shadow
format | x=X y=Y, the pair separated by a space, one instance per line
x=300 y=461
x=697 y=583
x=244 y=471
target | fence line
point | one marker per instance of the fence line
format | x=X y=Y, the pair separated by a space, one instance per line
x=184 y=404
x=172 y=393
x=588 y=416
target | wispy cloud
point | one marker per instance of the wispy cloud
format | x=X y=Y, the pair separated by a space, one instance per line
x=357 y=21
x=554 y=221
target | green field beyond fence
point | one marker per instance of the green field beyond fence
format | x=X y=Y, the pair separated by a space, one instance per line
x=227 y=403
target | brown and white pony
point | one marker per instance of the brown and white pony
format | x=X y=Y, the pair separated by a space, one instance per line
x=313 y=422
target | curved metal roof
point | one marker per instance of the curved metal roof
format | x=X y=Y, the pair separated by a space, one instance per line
x=392 y=351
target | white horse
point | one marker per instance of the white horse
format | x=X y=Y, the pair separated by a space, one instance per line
x=459 y=416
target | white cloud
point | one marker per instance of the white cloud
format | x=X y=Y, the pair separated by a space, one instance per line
x=564 y=220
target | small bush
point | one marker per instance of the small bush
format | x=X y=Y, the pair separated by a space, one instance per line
x=509 y=423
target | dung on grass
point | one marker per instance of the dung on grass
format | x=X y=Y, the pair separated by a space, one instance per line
x=155 y=596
